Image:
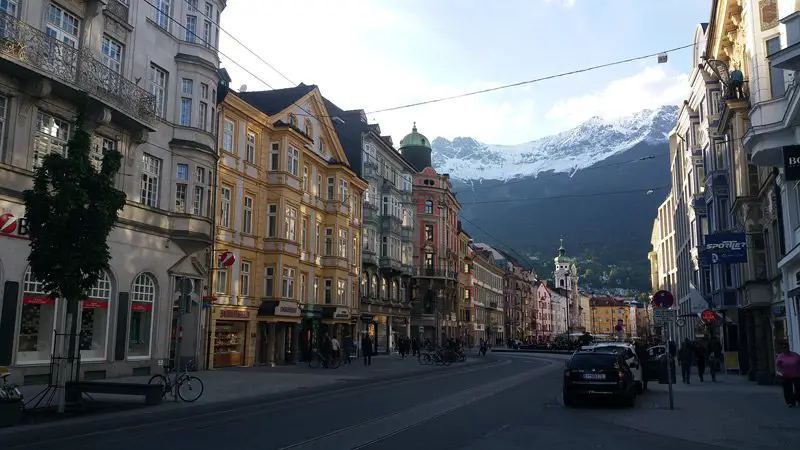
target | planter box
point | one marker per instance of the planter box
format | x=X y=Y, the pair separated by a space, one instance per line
x=10 y=412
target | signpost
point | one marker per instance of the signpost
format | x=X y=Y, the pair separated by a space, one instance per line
x=665 y=317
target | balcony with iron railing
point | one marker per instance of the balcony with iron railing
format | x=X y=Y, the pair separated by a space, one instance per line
x=436 y=272
x=26 y=51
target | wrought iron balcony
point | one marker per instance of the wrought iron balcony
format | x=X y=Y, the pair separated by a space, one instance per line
x=32 y=49
x=436 y=272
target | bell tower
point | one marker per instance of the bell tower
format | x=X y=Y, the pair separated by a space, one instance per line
x=562 y=276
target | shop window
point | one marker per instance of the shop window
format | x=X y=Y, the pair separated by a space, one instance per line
x=229 y=339
x=143 y=297
x=94 y=320
x=37 y=321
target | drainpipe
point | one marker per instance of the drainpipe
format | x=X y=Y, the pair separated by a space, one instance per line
x=213 y=250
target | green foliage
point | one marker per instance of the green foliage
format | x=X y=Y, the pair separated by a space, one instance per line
x=71 y=209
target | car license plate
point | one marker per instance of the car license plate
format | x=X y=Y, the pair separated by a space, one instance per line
x=594 y=376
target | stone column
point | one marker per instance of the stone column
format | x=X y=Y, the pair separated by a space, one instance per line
x=271 y=335
x=280 y=344
x=295 y=343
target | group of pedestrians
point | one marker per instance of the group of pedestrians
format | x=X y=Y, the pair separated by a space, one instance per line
x=702 y=355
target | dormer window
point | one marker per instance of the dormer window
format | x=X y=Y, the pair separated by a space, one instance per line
x=293 y=120
x=308 y=129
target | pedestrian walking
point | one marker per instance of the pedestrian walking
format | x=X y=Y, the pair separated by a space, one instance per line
x=788 y=365
x=700 y=358
x=685 y=355
x=366 y=349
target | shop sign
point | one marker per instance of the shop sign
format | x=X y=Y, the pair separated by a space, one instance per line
x=288 y=309
x=37 y=300
x=724 y=247
x=95 y=304
x=367 y=317
x=141 y=306
x=13 y=226
x=791 y=162
x=341 y=313
x=234 y=314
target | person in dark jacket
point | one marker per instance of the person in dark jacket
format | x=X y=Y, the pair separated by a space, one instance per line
x=366 y=349
x=701 y=358
x=685 y=356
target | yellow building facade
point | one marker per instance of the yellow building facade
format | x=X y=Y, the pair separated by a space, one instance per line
x=608 y=312
x=288 y=239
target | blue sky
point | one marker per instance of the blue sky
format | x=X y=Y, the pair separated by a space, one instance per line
x=375 y=54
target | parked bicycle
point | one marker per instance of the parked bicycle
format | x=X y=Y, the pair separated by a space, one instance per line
x=9 y=391
x=442 y=356
x=179 y=384
x=318 y=360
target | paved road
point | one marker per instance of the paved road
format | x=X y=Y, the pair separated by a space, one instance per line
x=512 y=403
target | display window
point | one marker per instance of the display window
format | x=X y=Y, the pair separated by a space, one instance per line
x=94 y=321
x=229 y=340
x=140 y=333
x=37 y=320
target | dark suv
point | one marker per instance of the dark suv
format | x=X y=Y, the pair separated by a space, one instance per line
x=595 y=374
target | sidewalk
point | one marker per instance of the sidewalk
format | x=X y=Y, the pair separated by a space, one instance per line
x=731 y=413
x=252 y=382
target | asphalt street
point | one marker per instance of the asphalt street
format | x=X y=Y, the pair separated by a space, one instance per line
x=511 y=403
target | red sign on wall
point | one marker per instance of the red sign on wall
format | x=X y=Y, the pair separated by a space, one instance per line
x=95 y=304
x=141 y=307
x=37 y=300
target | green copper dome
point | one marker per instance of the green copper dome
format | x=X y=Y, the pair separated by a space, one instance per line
x=415 y=139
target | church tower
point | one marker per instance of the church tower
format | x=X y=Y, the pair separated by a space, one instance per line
x=562 y=277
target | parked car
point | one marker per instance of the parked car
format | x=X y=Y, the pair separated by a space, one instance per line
x=598 y=374
x=629 y=353
x=654 y=363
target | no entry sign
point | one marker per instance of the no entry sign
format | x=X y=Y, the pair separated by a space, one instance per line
x=708 y=316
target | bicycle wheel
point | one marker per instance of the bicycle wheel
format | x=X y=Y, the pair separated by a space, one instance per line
x=159 y=379
x=190 y=389
x=334 y=363
x=314 y=362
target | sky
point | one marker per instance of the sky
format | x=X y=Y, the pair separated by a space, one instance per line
x=378 y=54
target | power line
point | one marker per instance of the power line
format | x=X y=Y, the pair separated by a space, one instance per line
x=535 y=80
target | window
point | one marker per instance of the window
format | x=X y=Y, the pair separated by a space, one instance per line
x=227 y=135
x=315 y=291
x=293 y=120
x=37 y=321
x=158 y=88
x=207 y=28
x=317 y=248
x=288 y=283
x=303 y=297
x=186 y=112
x=331 y=187
x=62 y=26
x=318 y=190
x=428 y=207
x=776 y=76
x=191 y=29
x=429 y=260
x=225 y=207
x=269 y=282
x=222 y=281
x=290 y=223
x=250 y=150
x=100 y=145
x=247 y=215
x=274 y=156
x=51 y=136
x=727 y=273
x=151 y=174
x=3 y=111
x=292 y=161
x=244 y=279
x=272 y=220
x=342 y=243
x=203 y=116
x=385 y=205
x=112 y=55
x=94 y=320
x=199 y=191
x=303 y=234
x=343 y=191
x=180 y=197
x=384 y=246
x=140 y=332
x=340 y=291
x=308 y=129
x=328 y=241
x=328 y=291
x=162 y=13
x=752 y=179
x=305 y=178
x=428 y=232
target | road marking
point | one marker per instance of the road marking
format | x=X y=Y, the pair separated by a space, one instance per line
x=251 y=410
x=373 y=431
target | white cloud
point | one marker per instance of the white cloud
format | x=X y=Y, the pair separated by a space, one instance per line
x=567 y=3
x=652 y=87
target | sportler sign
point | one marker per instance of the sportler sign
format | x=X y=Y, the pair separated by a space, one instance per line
x=725 y=248
x=13 y=226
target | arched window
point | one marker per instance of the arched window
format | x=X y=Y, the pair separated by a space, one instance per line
x=364 y=285
x=36 y=322
x=94 y=320
x=143 y=298
x=373 y=292
x=383 y=288
x=428 y=206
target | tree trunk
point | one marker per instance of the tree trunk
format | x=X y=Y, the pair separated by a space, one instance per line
x=69 y=357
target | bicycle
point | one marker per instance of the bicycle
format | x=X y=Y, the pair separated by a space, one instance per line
x=174 y=382
x=9 y=391
x=317 y=361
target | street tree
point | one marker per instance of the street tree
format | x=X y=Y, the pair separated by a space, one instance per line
x=71 y=209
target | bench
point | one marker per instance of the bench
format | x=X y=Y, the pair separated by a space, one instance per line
x=152 y=392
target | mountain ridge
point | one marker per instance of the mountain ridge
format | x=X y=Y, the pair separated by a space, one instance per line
x=465 y=158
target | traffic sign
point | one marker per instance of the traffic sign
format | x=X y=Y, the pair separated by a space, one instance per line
x=663 y=316
x=226 y=259
x=708 y=316
x=663 y=299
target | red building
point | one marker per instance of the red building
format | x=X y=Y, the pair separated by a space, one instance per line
x=435 y=281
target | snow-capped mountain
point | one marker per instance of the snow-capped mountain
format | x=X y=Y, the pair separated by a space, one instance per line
x=592 y=141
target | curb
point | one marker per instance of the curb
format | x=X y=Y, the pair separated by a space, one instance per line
x=553 y=352
x=59 y=428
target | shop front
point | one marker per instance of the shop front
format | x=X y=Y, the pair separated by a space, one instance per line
x=279 y=323
x=336 y=321
x=232 y=337
x=310 y=321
